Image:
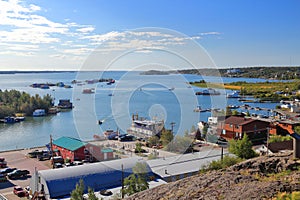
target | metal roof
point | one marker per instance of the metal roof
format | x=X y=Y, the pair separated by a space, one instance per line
x=108 y=150
x=185 y=163
x=99 y=176
x=69 y=143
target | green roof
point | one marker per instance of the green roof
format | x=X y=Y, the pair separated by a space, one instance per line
x=107 y=150
x=69 y=143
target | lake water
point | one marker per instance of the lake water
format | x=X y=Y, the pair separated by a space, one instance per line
x=166 y=97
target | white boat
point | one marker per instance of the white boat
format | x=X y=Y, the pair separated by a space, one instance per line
x=199 y=109
x=39 y=113
x=235 y=94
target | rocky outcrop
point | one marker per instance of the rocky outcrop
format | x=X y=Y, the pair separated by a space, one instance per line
x=258 y=178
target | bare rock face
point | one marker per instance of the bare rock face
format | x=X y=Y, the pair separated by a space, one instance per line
x=258 y=178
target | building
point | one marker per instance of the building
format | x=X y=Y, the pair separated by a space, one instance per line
x=275 y=147
x=234 y=127
x=177 y=167
x=75 y=149
x=142 y=128
x=59 y=183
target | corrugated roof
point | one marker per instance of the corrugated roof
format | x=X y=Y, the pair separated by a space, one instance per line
x=69 y=143
x=185 y=163
x=99 y=176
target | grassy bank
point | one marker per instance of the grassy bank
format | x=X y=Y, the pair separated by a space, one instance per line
x=271 y=91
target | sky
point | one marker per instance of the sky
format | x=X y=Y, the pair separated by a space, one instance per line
x=123 y=34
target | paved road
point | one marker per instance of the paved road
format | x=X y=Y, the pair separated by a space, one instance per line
x=19 y=160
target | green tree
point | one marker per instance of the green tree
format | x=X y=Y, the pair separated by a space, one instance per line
x=228 y=111
x=153 y=141
x=242 y=148
x=91 y=194
x=166 y=137
x=180 y=145
x=138 y=147
x=204 y=131
x=77 y=193
x=235 y=112
x=137 y=181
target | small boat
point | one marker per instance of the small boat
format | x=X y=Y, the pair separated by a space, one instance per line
x=233 y=107
x=199 y=109
x=39 y=113
x=235 y=94
x=88 y=91
x=110 y=82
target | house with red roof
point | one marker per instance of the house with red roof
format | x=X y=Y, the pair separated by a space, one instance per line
x=234 y=127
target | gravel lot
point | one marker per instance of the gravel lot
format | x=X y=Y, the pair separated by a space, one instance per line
x=20 y=160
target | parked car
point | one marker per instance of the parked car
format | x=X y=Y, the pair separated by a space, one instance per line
x=3 y=178
x=44 y=156
x=18 y=173
x=126 y=137
x=77 y=163
x=20 y=192
x=35 y=153
x=57 y=159
x=7 y=170
x=58 y=165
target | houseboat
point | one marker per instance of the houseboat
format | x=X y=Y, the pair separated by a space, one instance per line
x=65 y=104
x=143 y=128
x=88 y=91
x=53 y=110
x=39 y=113
x=11 y=120
x=208 y=91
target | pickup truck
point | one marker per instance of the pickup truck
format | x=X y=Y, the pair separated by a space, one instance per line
x=18 y=173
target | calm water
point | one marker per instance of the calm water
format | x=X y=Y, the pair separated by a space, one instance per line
x=158 y=96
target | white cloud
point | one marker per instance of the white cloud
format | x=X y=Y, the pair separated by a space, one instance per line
x=210 y=33
x=86 y=29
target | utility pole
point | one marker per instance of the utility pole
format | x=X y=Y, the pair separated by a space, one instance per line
x=222 y=153
x=172 y=126
x=51 y=148
x=122 y=191
x=268 y=134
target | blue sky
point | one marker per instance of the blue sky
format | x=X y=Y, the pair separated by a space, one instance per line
x=60 y=35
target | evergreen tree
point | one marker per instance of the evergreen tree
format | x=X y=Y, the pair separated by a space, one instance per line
x=137 y=181
x=153 y=141
x=77 y=193
x=91 y=194
x=166 y=137
x=242 y=148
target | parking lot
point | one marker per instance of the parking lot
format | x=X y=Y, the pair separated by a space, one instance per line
x=20 y=160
